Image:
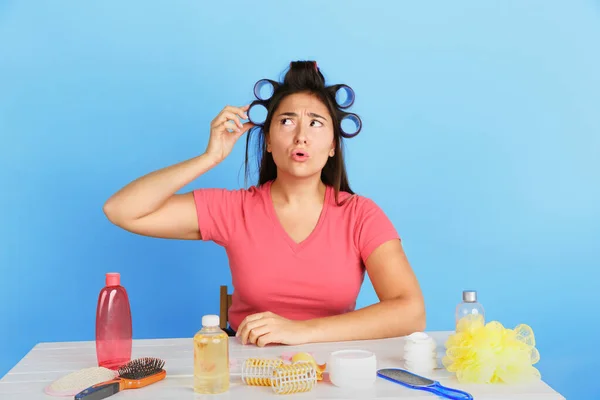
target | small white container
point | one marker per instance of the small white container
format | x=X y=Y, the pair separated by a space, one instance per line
x=352 y=369
x=420 y=354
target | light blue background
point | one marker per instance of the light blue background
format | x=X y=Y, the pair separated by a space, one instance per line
x=481 y=142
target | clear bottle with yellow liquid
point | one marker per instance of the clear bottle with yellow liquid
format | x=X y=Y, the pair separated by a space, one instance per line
x=211 y=357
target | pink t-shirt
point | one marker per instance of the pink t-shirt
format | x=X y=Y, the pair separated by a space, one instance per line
x=321 y=276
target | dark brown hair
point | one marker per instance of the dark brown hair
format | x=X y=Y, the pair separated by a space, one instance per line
x=302 y=77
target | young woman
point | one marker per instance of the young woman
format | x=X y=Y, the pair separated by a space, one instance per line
x=298 y=242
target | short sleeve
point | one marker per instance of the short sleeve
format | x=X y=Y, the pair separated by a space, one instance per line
x=373 y=228
x=218 y=211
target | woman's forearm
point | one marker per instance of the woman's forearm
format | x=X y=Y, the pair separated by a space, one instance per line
x=147 y=194
x=388 y=318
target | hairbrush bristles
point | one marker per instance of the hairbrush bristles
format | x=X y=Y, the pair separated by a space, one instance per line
x=141 y=368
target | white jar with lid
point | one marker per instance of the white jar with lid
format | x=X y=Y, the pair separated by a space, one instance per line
x=352 y=369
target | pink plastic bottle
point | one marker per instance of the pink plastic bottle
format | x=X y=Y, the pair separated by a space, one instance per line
x=113 y=324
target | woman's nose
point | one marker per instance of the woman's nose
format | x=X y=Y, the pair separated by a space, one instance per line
x=300 y=135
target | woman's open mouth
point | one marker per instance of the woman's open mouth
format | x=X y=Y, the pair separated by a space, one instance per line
x=300 y=155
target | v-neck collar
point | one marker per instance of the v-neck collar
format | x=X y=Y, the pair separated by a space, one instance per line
x=296 y=247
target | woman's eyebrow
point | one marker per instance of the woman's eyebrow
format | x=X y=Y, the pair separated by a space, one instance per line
x=293 y=114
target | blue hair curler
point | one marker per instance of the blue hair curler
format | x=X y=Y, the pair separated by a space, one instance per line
x=262 y=84
x=352 y=118
x=257 y=112
x=341 y=90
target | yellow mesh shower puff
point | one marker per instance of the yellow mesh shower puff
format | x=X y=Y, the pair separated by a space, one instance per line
x=491 y=353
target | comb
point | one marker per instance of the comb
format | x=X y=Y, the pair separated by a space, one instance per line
x=414 y=381
x=135 y=374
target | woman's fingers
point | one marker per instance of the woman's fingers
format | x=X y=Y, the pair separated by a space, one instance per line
x=265 y=339
x=230 y=113
x=255 y=333
x=232 y=126
x=225 y=117
x=250 y=319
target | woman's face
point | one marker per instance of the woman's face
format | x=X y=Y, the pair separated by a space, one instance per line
x=301 y=136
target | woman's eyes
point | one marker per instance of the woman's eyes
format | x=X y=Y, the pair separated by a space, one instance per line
x=314 y=122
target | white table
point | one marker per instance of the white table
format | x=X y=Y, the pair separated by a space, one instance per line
x=47 y=362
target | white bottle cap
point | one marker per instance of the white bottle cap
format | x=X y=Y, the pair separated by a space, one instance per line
x=210 y=320
x=353 y=369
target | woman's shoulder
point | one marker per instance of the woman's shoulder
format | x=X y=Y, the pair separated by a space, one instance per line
x=369 y=224
x=242 y=194
x=355 y=202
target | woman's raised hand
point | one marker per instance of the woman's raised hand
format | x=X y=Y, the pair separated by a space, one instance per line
x=225 y=130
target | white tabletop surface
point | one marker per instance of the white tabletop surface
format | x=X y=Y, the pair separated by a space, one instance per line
x=47 y=362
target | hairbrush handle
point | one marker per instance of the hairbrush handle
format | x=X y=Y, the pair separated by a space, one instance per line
x=99 y=391
x=447 y=392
